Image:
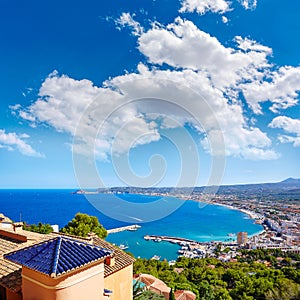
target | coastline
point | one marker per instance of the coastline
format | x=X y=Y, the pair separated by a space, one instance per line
x=251 y=214
x=197 y=227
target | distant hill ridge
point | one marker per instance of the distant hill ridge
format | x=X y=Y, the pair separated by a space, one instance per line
x=291 y=180
x=286 y=189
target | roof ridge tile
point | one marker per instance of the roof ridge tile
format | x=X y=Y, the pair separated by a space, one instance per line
x=56 y=257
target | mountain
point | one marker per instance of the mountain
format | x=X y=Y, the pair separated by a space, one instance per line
x=286 y=189
x=291 y=180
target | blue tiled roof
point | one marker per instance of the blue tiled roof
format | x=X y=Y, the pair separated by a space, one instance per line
x=57 y=256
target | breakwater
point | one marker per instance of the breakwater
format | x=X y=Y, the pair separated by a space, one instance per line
x=177 y=240
x=119 y=229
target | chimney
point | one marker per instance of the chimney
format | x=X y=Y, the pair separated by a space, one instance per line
x=110 y=260
x=91 y=236
x=18 y=227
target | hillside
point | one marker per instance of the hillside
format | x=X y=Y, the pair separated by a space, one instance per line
x=286 y=189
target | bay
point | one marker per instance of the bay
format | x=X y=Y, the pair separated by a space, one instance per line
x=190 y=220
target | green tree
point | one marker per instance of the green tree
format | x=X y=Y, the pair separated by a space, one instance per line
x=40 y=228
x=211 y=279
x=82 y=224
x=148 y=295
x=206 y=291
x=171 y=297
x=292 y=273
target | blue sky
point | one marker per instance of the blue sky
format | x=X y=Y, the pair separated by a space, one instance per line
x=99 y=92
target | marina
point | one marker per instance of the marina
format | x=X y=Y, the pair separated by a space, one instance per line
x=173 y=240
x=190 y=248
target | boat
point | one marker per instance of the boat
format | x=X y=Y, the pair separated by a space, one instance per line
x=134 y=228
x=172 y=262
x=123 y=246
x=231 y=234
x=156 y=257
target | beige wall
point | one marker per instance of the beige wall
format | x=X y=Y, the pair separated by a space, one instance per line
x=120 y=283
x=13 y=296
x=88 y=283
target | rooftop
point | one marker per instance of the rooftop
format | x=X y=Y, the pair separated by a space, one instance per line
x=184 y=295
x=57 y=256
x=122 y=259
x=10 y=272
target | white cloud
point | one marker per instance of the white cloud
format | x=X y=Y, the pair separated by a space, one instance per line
x=245 y=68
x=182 y=45
x=57 y=95
x=289 y=125
x=204 y=6
x=282 y=89
x=225 y=20
x=11 y=141
x=249 y=4
x=126 y=19
x=249 y=45
x=214 y=6
x=198 y=63
x=240 y=138
x=65 y=102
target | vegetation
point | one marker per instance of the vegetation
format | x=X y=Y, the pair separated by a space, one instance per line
x=148 y=295
x=247 y=279
x=40 y=228
x=83 y=224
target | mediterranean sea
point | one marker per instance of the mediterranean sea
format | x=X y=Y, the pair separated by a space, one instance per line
x=190 y=220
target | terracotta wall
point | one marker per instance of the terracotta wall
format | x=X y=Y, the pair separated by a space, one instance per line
x=88 y=283
x=120 y=283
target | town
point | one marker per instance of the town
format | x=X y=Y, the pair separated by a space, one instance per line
x=275 y=206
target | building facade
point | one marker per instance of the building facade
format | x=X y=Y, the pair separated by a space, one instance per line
x=242 y=238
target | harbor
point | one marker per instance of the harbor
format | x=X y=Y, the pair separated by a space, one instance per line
x=124 y=228
x=179 y=240
x=194 y=249
x=170 y=239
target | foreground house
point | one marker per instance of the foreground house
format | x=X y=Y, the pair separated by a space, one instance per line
x=55 y=266
x=184 y=295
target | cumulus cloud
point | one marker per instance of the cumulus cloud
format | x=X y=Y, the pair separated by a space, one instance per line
x=249 y=4
x=245 y=68
x=12 y=141
x=215 y=6
x=204 y=6
x=200 y=75
x=79 y=108
x=282 y=89
x=126 y=19
x=290 y=126
x=193 y=101
x=225 y=20
x=182 y=45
